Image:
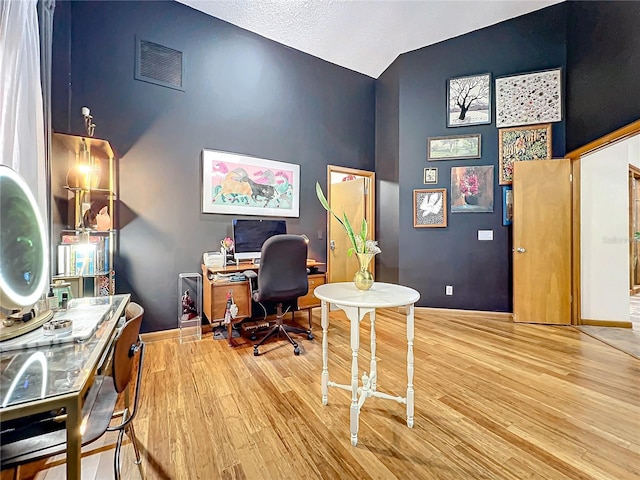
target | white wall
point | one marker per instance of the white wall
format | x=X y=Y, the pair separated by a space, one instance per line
x=604 y=230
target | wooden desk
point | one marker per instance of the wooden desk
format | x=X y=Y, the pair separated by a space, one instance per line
x=216 y=288
x=65 y=371
x=356 y=304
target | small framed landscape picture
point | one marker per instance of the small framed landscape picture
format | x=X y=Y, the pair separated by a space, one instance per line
x=430 y=175
x=457 y=147
x=469 y=100
x=430 y=208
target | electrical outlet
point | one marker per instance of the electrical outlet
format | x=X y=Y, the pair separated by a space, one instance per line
x=448 y=290
x=320 y=235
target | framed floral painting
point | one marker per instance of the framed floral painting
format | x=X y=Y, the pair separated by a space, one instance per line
x=472 y=189
x=519 y=144
x=430 y=208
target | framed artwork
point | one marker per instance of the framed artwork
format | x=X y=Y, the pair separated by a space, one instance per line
x=507 y=205
x=244 y=185
x=472 y=189
x=430 y=175
x=530 y=98
x=469 y=100
x=522 y=143
x=457 y=147
x=430 y=208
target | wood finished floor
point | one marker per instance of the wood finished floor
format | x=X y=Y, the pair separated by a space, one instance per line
x=494 y=400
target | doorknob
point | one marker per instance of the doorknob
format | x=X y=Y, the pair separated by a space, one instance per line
x=520 y=250
x=332 y=245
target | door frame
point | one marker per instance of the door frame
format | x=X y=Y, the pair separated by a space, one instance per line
x=604 y=141
x=370 y=205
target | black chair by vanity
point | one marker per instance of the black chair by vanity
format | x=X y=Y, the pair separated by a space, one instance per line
x=98 y=409
x=282 y=278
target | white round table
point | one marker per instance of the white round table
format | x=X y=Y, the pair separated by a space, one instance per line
x=356 y=304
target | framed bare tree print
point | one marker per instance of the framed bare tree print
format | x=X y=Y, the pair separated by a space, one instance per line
x=469 y=100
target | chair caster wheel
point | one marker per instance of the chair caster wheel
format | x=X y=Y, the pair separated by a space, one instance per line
x=255 y=351
x=310 y=336
x=296 y=351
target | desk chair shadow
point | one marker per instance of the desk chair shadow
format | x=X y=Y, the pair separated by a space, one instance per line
x=282 y=278
x=98 y=410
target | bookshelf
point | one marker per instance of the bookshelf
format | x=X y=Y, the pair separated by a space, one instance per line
x=83 y=184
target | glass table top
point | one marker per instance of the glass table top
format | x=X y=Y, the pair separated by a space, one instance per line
x=50 y=370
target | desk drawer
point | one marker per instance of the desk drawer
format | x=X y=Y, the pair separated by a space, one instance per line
x=241 y=293
x=310 y=300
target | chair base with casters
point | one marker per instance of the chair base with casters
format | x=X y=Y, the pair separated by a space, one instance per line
x=279 y=328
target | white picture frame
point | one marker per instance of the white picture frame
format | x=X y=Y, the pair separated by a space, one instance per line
x=237 y=184
x=529 y=98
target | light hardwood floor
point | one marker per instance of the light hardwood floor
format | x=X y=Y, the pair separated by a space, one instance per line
x=494 y=400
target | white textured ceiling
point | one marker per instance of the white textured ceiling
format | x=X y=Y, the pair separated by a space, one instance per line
x=363 y=35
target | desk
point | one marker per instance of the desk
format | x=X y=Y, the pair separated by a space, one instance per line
x=58 y=376
x=356 y=304
x=216 y=287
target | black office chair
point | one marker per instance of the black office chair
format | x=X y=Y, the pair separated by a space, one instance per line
x=98 y=409
x=282 y=278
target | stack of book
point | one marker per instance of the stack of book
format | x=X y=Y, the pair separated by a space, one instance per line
x=79 y=258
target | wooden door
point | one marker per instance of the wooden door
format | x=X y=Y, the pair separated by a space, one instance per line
x=542 y=242
x=348 y=197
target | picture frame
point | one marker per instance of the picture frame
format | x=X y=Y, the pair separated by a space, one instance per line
x=430 y=175
x=239 y=184
x=529 y=98
x=469 y=100
x=507 y=205
x=430 y=208
x=518 y=144
x=454 y=147
x=472 y=189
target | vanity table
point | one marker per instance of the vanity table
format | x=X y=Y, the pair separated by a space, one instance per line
x=356 y=304
x=58 y=374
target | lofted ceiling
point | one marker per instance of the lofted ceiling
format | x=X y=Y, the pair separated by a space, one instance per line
x=363 y=35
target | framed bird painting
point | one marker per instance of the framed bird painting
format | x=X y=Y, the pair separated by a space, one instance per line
x=430 y=208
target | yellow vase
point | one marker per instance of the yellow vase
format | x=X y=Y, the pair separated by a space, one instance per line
x=363 y=278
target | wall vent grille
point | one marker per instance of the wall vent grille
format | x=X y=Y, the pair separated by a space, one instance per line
x=159 y=64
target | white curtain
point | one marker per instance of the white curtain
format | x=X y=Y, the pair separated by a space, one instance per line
x=22 y=138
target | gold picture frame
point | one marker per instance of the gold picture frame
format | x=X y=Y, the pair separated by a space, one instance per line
x=430 y=208
x=518 y=144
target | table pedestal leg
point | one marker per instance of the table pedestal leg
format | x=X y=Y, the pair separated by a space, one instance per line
x=410 y=393
x=355 y=410
x=325 y=349
x=373 y=367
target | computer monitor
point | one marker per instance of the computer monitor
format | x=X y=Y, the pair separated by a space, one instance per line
x=249 y=235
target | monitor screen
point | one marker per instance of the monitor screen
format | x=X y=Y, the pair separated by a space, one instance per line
x=249 y=235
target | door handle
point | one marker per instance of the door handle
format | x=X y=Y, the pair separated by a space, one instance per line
x=332 y=245
x=520 y=250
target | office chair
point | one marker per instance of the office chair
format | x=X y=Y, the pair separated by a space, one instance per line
x=98 y=409
x=282 y=278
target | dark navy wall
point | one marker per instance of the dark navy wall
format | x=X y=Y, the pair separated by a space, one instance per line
x=387 y=166
x=431 y=258
x=603 y=58
x=243 y=94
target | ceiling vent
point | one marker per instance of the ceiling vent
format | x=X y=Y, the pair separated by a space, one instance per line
x=159 y=64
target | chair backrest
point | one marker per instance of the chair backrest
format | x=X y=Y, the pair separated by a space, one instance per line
x=133 y=310
x=126 y=345
x=282 y=275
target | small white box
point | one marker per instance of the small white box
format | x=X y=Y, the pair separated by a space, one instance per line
x=213 y=259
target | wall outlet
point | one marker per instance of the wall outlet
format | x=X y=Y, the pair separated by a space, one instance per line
x=448 y=290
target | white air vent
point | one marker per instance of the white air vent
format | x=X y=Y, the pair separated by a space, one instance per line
x=159 y=64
